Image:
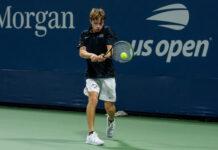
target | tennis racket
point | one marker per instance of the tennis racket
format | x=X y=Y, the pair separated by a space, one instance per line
x=121 y=51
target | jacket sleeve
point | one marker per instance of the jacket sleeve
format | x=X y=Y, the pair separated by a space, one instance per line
x=110 y=36
x=81 y=40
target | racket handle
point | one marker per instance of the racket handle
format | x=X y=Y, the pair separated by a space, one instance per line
x=109 y=51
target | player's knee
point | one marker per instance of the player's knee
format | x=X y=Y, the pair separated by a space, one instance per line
x=110 y=108
x=111 y=112
x=93 y=100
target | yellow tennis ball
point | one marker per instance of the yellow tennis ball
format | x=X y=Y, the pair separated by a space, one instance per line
x=123 y=55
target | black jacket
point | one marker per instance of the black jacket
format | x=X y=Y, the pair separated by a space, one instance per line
x=97 y=43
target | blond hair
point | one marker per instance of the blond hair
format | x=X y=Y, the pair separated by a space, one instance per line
x=97 y=13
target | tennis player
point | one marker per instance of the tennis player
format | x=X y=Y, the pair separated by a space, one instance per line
x=100 y=73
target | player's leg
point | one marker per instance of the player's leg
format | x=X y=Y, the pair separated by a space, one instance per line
x=110 y=120
x=91 y=90
x=108 y=94
x=90 y=109
x=110 y=109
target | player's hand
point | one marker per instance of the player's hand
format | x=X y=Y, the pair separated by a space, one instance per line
x=101 y=58
x=94 y=58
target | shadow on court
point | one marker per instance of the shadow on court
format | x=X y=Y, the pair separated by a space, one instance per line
x=41 y=141
x=122 y=146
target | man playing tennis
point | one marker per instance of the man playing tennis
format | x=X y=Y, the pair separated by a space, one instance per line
x=100 y=74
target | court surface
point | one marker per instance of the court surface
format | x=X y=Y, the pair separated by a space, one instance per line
x=37 y=129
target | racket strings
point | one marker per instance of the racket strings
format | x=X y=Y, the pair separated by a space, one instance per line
x=121 y=47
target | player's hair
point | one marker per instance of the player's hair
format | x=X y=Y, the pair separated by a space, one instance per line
x=97 y=13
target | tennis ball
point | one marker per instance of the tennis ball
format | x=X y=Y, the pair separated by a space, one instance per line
x=123 y=55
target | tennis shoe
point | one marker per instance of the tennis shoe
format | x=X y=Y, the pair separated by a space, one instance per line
x=110 y=128
x=93 y=139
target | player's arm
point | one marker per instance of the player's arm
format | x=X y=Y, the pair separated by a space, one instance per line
x=110 y=40
x=108 y=54
x=103 y=57
x=83 y=53
x=86 y=55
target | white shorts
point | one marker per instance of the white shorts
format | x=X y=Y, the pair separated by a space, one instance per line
x=105 y=87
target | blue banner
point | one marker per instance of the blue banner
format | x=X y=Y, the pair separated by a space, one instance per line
x=174 y=70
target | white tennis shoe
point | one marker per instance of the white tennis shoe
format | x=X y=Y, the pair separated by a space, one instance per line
x=93 y=139
x=110 y=128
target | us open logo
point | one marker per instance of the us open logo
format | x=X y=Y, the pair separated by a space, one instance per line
x=174 y=16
